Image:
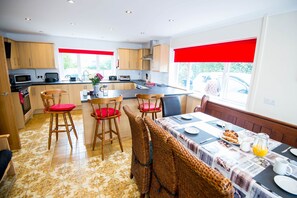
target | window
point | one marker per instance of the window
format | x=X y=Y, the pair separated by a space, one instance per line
x=226 y=81
x=81 y=63
x=222 y=70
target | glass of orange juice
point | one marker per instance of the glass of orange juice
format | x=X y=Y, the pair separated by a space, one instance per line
x=260 y=145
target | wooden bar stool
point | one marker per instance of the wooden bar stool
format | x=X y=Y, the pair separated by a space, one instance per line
x=106 y=109
x=49 y=98
x=149 y=103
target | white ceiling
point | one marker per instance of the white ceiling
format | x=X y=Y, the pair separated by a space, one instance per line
x=107 y=20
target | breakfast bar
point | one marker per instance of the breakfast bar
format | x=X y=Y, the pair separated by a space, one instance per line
x=129 y=97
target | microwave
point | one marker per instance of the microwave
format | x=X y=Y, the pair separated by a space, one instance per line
x=19 y=78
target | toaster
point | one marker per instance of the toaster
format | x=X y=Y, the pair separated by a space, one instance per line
x=51 y=77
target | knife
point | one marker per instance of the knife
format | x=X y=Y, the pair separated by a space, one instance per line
x=206 y=140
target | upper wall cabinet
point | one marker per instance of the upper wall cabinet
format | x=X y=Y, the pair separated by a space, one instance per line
x=128 y=59
x=143 y=64
x=13 y=60
x=36 y=55
x=160 y=58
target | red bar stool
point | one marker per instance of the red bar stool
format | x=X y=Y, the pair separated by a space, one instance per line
x=54 y=108
x=106 y=109
x=149 y=103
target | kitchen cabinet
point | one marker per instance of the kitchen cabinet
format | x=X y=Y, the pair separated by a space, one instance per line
x=35 y=98
x=160 y=58
x=128 y=59
x=143 y=64
x=8 y=123
x=13 y=61
x=36 y=55
x=74 y=92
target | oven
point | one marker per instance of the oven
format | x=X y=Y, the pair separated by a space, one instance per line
x=25 y=100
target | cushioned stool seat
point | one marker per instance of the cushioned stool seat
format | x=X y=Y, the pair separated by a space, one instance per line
x=62 y=107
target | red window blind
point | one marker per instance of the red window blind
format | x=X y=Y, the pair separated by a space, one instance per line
x=235 y=51
x=80 y=51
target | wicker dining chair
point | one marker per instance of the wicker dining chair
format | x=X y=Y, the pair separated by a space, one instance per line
x=164 y=180
x=195 y=178
x=141 y=154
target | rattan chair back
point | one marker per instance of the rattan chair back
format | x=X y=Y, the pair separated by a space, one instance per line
x=141 y=161
x=195 y=178
x=164 y=180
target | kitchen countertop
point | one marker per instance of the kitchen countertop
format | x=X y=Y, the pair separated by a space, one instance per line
x=131 y=93
x=127 y=94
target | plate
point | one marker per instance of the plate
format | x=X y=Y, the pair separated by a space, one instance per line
x=294 y=151
x=186 y=117
x=286 y=183
x=222 y=137
x=192 y=130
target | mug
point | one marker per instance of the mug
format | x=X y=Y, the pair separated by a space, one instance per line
x=85 y=92
x=281 y=167
x=245 y=145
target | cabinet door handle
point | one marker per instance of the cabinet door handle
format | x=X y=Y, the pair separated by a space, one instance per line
x=4 y=94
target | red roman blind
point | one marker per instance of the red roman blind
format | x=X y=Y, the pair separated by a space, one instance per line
x=235 y=51
x=80 y=51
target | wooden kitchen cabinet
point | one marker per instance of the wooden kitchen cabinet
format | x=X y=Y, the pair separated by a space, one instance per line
x=143 y=64
x=36 y=55
x=128 y=59
x=13 y=61
x=74 y=92
x=35 y=98
x=160 y=58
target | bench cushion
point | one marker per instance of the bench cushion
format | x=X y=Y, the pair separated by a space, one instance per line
x=5 y=157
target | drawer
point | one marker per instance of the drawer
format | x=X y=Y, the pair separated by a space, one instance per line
x=63 y=87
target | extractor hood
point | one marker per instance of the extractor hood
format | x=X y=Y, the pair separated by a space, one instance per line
x=150 y=55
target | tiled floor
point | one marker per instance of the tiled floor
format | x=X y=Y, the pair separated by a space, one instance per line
x=65 y=172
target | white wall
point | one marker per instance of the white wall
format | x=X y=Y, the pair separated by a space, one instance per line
x=275 y=73
x=275 y=93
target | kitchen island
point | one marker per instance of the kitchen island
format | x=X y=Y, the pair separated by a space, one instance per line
x=130 y=100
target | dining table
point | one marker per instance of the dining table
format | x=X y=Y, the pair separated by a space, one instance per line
x=250 y=175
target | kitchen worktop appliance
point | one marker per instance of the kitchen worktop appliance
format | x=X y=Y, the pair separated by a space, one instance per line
x=124 y=78
x=51 y=77
x=112 y=77
x=19 y=78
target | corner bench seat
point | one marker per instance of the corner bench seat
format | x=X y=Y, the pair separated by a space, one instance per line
x=277 y=130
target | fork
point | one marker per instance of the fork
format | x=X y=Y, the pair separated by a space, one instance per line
x=286 y=150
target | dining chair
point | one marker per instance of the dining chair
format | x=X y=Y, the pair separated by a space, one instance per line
x=195 y=178
x=202 y=106
x=170 y=106
x=149 y=103
x=106 y=109
x=164 y=180
x=141 y=152
x=52 y=105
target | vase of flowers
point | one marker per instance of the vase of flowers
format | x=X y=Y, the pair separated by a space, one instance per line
x=95 y=81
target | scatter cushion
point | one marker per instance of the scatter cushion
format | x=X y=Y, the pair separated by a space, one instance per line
x=107 y=112
x=62 y=107
x=147 y=107
x=5 y=157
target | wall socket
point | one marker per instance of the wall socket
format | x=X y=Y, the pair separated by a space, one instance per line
x=269 y=101
x=40 y=77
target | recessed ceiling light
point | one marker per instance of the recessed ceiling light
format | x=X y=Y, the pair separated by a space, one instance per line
x=128 y=12
x=72 y=23
x=70 y=1
x=28 y=19
x=171 y=20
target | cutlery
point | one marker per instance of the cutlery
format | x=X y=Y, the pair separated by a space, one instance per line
x=292 y=162
x=286 y=150
x=206 y=140
x=177 y=118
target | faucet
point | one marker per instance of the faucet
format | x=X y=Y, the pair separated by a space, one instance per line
x=85 y=75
